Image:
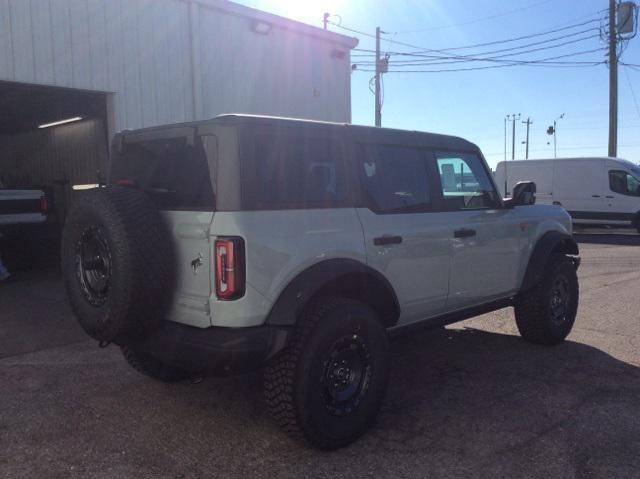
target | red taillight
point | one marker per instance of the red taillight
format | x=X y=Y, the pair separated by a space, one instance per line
x=44 y=204
x=229 y=268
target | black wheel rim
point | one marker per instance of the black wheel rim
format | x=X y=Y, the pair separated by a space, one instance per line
x=93 y=265
x=346 y=375
x=560 y=298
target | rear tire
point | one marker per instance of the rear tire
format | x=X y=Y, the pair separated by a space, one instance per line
x=149 y=366
x=546 y=314
x=327 y=386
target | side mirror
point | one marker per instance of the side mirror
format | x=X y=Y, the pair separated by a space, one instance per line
x=524 y=194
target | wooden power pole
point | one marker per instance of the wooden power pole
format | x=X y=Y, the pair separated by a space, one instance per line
x=613 y=81
x=377 y=86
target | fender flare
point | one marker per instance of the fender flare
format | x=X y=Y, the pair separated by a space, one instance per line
x=550 y=243
x=311 y=281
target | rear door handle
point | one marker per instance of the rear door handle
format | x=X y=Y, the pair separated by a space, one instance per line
x=595 y=196
x=387 y=240
x=464 y=233
x=610 y=197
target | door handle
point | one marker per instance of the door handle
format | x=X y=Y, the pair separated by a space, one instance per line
x=595 y=196
x=464 y=233
x=611 y=197
x=387 y=240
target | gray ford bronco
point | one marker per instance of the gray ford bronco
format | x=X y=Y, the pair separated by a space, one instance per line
x=247 y=242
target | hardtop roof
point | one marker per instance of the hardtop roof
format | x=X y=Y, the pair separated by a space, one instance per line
x=361 y=132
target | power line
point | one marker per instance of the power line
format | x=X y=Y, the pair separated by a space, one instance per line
x=520 y=47
x=523 y=37
x=478 y=20
x=540 y=62
x=633 y=93
x=497 y=58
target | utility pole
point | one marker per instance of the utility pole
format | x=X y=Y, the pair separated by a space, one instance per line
x=613 y=81
x=506 y=193
x=528 y=123
x=377 y=87
x=326 y=19
x=513 y=134
x=505 y=137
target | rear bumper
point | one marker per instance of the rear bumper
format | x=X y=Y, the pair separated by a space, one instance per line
x=217 y=351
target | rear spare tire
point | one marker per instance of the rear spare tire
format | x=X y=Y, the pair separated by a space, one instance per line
x=117 y=264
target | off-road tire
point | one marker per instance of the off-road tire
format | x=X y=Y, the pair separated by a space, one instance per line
x=133 y=288
x=294 y=388
x=533 y=309
x=149 y=366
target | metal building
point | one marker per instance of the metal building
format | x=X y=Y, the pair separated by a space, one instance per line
x=120 y=64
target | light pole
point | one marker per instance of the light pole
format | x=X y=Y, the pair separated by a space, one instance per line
x=553 y=130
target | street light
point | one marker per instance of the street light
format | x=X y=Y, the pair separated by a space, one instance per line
x=553 y=130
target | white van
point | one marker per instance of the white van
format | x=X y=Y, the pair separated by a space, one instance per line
x=592 y=190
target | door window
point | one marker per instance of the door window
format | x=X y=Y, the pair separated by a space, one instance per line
x=395 y=179
x=464 y=181
x=624 y=183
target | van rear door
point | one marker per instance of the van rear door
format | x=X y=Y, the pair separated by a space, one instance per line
x=171 y=167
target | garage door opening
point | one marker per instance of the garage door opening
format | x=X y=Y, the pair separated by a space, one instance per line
x=52 y=139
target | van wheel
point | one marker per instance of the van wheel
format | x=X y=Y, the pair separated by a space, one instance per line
x=545 y=315
x=327 y=386
x=149 y=366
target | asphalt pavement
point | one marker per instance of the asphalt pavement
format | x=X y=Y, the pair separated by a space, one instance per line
x=472 y=400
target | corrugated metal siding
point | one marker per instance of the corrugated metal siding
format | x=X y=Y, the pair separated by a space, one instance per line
x=55 y=159
x=141 y=51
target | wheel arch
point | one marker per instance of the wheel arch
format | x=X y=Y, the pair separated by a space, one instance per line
x=336 y=277
x=552 y=242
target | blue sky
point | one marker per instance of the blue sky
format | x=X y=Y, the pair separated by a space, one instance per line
x=473 y=104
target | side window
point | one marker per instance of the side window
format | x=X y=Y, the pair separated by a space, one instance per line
x=395 y=179
x=464 y=181
x=173 y=173
x=624 y=183
x=296 y=171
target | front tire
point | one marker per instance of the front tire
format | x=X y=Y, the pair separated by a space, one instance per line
x=546 y=314
x=327 y=386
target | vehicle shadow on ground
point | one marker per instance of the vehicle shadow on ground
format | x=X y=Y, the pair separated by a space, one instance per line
x=461 y=403
x=608 y=239
x=474 y=403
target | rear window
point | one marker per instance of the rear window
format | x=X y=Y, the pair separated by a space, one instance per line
x=173 y=173
x=288 y=171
